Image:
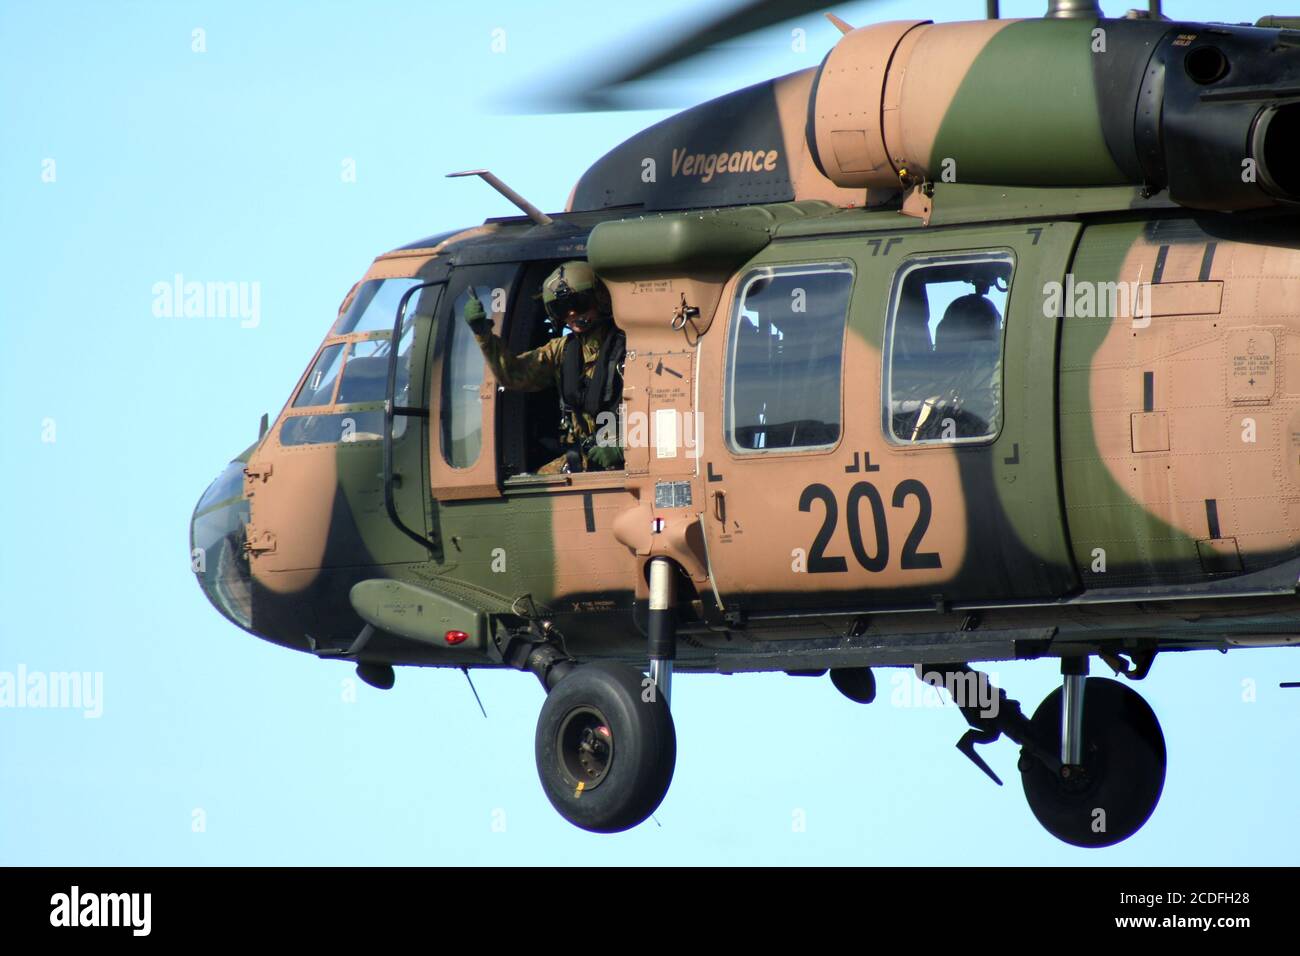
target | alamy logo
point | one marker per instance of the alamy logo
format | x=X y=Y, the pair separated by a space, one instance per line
x=75 y=908
x=180 y=299
x=973 y=690
x=1083 y=299
x=57 y=690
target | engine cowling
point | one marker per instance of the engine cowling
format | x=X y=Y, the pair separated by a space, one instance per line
x=1208 y=112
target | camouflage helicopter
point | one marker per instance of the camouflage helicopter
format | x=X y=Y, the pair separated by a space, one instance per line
x=979 y=341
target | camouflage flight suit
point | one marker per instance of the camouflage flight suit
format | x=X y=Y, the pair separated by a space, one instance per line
x=538 y=369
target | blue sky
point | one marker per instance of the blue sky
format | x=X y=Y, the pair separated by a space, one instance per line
x=227 y=165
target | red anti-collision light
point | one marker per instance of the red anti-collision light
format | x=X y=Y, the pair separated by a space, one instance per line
x=456 y=637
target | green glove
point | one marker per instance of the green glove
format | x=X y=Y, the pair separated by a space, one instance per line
x=604 y=457
x=475 y=316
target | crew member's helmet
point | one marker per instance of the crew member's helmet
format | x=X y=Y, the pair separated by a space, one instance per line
x=569 y=293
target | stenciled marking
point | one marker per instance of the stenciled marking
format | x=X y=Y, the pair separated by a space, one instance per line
x=861 y=462
x=912 y=557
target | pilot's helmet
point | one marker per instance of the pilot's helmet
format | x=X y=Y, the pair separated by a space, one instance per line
x=571 y=290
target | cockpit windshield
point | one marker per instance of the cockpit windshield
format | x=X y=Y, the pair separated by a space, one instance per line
x=374 y=307
x=348 y=381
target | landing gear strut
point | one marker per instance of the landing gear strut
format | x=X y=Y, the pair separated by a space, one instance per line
x=663 y=633
x=1113 y=781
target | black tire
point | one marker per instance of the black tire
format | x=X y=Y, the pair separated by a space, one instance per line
x=1124 y=762
x=604 y=755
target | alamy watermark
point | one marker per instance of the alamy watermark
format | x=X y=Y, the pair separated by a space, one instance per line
x=1084 y=299
x=968 y=689
x=128 y=910
x=53 y=690
x=668 y=431
x=192 y=299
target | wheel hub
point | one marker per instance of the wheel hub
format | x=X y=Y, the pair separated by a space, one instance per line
x=585 y=746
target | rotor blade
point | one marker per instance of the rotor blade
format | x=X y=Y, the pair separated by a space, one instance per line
x=601 y=92
x=747 y=18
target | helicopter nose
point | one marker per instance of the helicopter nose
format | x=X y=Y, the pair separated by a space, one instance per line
x=217 y=556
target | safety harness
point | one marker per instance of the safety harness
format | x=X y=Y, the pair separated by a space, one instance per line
x=600 y=393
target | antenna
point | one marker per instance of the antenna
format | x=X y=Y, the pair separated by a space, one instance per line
x=465 y=671
x=839 y=24
x=491 y=178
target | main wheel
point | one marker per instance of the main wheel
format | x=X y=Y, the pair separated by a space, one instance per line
x=605 y=753
x=1123 y=770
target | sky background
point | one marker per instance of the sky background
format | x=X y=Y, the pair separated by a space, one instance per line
x=227 y=165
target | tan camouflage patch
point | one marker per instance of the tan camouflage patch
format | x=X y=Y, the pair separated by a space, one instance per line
x=1217 y=454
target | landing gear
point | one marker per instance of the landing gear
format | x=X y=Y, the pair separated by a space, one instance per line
x=1110 y=793
x=605 y=747
x=605 y=744
x=1092 y=757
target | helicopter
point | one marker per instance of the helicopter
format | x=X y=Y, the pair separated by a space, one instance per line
x=977 y=342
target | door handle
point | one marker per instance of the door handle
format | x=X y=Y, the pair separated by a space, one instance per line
x=720 y=506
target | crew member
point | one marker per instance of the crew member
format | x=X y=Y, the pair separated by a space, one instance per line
x=585 y=367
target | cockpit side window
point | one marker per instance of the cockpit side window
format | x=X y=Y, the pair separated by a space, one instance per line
x=319 y=387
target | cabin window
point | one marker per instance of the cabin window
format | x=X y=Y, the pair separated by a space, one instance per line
x=785 y=356
x=943 y=347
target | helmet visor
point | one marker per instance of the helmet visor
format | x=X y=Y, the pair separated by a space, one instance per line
x=569 y=303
